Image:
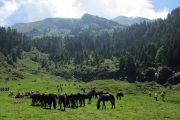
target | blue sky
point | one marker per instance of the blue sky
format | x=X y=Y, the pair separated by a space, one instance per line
x=20 y=11
x=170 y=4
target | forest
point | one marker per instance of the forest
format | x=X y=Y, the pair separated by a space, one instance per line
x=140 y=52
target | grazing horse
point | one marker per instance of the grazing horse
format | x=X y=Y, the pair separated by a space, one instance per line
x=62 y=100
x=119 y=95
x=106 y=97
x=99 y=93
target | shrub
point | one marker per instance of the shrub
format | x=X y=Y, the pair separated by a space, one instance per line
x=150 y=74
x=175 y=79
x=164 y=74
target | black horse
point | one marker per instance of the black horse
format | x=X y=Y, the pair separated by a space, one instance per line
x=93 y=93
x=37 y=98
x=88 y=96
x=119 y=95
x=49 y=99
x=78 y=99
x=62 y=100
x=106 y=97
x=73 y=100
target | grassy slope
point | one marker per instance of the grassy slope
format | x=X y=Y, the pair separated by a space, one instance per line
x=131 y=107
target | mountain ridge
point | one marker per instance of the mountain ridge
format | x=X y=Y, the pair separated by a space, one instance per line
x=127 y=21
x=63 y=26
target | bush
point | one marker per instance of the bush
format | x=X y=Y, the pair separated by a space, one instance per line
x=164 y=74
x=16 y=75
x=175 y=79
x=150 y=74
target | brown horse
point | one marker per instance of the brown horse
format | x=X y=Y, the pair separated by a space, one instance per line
x=106 y=97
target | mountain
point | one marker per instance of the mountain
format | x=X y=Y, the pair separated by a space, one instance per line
x=127 y=21
x=61 y=26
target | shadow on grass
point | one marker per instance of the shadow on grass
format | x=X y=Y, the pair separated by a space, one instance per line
x=174 y=101
x=61 y=110
x=35 y=105
x=48 y=108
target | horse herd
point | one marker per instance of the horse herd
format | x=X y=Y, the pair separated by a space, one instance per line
x=4 y=88
x=73 y=100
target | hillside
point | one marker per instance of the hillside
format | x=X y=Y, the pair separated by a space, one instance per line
x=100 y=49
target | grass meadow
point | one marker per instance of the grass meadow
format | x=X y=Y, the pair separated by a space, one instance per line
x=135 y=105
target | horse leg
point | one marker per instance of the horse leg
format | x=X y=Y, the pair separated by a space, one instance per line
x=54 y=104
x=104 y=106
x=111 y=104
x=64 y=103
x=114 y=103
x=60 y=105
x=84 y=102
x=89 y=100
x=45 y=104
x=50 y=104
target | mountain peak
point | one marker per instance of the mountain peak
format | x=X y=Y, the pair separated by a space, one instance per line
x=123 y=20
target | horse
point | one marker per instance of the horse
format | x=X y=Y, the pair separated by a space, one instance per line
x=88 y=96
x=106 y=97
x=99 y=93
x=62 y=100
x=119 y=95
x=49 y=99
x=37 y=98
x=81 y=98
x=73 y=100
x=93 y=93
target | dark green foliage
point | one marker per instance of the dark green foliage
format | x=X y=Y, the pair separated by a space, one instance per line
x=12 y=44
x=150 y=74
x=164 y=74
x=127 y=68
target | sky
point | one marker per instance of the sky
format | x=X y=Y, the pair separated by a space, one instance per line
x=22 y=11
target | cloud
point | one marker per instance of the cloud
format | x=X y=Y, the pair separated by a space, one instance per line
x=16 y=11
x=34 y=10
x=114 y=8
x=6 y=9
